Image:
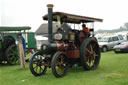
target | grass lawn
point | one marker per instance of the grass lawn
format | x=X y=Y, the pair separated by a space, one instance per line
x=113 y=70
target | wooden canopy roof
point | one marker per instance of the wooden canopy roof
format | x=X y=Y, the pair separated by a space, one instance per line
x=70 y=18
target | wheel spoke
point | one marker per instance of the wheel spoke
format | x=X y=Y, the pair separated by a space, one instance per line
x=59 y=64
x=40 y=69
x=37 y=65
x=34 y=66
x=95 y=54
x=94 y=46
x=36 y=69
x=13 y=56
x=60 y=70
x=91 y=55
x=88 y=50
x=14 y=61
x=34 y=62
x=10 y=54
x=61 y=59
x=91 y=48
x=91 y=63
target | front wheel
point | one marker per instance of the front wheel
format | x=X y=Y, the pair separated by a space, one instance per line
x=59 y=64
x=90 y=54
x=37 y=65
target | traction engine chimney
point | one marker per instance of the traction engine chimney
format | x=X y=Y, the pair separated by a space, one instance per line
x=50 y=6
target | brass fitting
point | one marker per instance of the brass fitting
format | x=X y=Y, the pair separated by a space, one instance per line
x=50 y=5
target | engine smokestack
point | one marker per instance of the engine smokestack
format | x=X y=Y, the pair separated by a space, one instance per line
x=50 y=6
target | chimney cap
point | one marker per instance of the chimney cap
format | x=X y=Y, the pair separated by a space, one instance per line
x=50 y=5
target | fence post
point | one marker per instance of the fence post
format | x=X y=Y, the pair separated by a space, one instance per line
x=21 y=52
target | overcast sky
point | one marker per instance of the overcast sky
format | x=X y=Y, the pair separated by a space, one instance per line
x=30 y=12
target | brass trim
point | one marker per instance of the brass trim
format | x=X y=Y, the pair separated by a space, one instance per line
x=50 y=5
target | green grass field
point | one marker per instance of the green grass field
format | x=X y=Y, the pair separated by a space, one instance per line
x=113 y=70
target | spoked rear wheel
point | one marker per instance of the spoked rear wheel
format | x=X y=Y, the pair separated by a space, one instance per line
x=37 y=65
x=59 y=64
x=90 y=54
x=12 y=55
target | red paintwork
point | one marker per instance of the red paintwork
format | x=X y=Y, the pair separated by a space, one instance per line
x=60 y=46
x=73 y=54
x=83 y=36
x=70 y=53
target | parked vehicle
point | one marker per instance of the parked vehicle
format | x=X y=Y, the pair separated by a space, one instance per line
x=121 y=48
x=108 y=42
x=9 y=52
x=124 y=34
x=65 y=47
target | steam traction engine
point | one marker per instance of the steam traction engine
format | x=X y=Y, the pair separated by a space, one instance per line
x=9 y=53
x=66 y=46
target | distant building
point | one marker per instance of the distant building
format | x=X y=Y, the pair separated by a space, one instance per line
x=42 y=34
x=43 y=29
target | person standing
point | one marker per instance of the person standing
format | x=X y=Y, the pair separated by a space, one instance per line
x=85 y=33
x=86 y=29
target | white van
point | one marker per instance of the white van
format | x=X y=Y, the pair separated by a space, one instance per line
x=108 y=42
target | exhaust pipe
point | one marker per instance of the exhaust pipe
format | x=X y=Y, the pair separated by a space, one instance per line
x=50 y=6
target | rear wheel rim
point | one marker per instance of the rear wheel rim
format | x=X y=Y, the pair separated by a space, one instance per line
x=13 y=56
x=91 y=54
